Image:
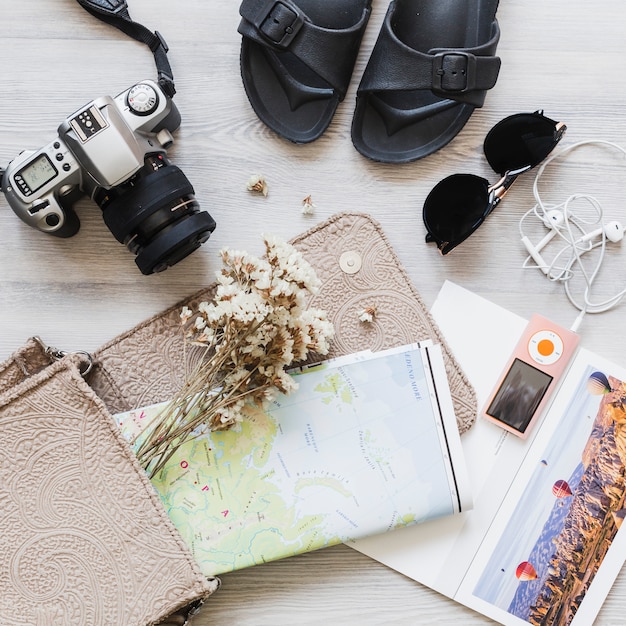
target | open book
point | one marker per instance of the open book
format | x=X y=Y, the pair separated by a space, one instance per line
x=543 y=543
x=367 y=443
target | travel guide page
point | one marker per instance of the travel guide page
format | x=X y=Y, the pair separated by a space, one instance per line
x=556 y=530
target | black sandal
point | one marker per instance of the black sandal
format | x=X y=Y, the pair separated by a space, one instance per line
x=431 y=66
x=297 y=58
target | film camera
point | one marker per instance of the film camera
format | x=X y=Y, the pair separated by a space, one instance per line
x=114 y=151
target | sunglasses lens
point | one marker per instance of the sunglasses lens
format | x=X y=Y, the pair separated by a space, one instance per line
x=519 y=141
x=455 y=208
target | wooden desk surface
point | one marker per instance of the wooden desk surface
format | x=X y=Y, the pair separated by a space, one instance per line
x=565 y=57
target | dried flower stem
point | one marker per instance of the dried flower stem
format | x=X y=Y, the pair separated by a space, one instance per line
x=257 y=326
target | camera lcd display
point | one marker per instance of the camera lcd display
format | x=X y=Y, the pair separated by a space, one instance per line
x=37 y=173
x=519 y=395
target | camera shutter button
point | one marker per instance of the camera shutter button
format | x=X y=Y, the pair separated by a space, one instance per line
x=164 y=137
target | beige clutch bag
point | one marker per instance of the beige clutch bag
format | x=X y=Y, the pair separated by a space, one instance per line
x=84 y=538
x=358 y=269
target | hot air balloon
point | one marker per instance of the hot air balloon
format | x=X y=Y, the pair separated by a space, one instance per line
x=526 y=571
x=598 y=384
x=561 y=489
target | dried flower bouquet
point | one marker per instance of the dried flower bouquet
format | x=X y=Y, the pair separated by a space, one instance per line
x=257 y=326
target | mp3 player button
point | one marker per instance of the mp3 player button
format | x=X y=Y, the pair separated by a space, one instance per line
x=545 y=347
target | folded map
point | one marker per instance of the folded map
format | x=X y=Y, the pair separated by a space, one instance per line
x=367 y=443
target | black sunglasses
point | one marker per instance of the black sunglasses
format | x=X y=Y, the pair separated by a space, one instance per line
x=460 y=203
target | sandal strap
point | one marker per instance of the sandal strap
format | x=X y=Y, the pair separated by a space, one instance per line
x=282 y=25
x=460 y=74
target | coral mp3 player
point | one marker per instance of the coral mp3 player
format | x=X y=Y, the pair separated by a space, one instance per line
x=530 y=376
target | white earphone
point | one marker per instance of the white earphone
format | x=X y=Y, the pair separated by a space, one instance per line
x=612 y=231
x=568 y=225
x=553 y=220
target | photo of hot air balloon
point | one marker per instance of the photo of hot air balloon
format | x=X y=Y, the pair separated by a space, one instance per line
x=559 y=529
x=561 y=489
x=526 y=571
x=598 y=384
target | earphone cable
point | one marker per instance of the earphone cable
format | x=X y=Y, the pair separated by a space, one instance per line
x=571 y=228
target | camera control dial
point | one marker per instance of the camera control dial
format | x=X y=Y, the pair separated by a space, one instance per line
x=142 y=99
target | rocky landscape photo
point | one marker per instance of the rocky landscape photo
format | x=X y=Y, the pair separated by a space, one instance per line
x=565 y=526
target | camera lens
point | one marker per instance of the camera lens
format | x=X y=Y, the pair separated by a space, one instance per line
x=156 y=215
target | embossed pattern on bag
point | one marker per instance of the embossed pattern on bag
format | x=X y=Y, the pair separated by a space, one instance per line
x=358 y=268
x=83 y=536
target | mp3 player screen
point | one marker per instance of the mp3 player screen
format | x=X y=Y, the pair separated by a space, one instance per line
x=519 y=395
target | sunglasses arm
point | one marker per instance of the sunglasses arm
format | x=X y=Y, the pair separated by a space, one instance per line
x=498 y=190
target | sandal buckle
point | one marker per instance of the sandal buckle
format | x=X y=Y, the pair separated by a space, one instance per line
x=454 y=71
x=279 y=21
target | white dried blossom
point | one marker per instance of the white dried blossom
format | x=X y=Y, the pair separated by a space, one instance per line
x=258 y=184
x=307 y=206
x=185 y=315
x=367 y=314
x=291 y=265
x=256 y=327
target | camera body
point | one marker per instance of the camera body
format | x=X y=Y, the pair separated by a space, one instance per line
x=113 y=150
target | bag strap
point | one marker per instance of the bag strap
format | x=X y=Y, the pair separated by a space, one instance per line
x=115 y=13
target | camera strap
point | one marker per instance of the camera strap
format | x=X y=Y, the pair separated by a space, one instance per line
x=115 y=13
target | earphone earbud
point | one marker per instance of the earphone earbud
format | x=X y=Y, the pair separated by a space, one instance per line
x=613 y=231
x=553 y=220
